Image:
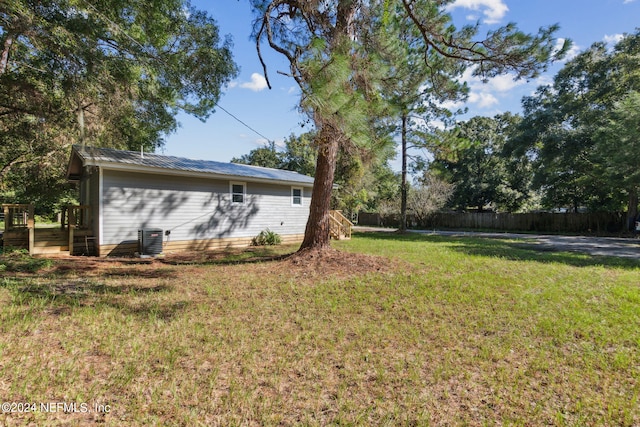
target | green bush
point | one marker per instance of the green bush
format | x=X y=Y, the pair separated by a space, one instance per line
x=266 y=238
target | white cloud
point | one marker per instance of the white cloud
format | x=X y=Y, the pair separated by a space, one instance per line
x=257 y=83
x=484 y=95
x=574 y=50
x=543 y=81
x=628 y=1
x=493 y=10
x=452 y=105
x=502 y=83
x=489 y=97
x=483 y=99
x=438 y=124
x=613 y=39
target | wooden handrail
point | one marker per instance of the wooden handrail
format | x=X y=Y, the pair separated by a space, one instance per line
x=339 y=225
x=335 y=227
x=18 y=216
x=78 y=216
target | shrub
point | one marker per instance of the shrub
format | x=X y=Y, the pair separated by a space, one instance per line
x=266 y=238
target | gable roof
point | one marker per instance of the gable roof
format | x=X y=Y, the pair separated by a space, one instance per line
x=133 y=161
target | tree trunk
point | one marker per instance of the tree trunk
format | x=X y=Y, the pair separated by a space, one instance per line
x=403 y=185
x=316 y=235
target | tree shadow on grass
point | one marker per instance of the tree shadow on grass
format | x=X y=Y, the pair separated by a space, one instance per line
x=251 y=255
x=110 y=268
x=510 y=249
x=152 y=309
x=59 y=297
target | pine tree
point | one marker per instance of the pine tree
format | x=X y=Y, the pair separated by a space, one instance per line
x=333 y=52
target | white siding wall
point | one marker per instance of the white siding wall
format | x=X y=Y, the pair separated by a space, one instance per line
x=195 y=208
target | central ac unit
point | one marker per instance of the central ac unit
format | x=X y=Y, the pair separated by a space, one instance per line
x=150 y=242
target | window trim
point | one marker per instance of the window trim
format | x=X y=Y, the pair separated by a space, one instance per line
x=293 y=197
x=244 y=192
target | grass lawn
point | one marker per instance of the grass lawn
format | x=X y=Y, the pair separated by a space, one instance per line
x=448 y=331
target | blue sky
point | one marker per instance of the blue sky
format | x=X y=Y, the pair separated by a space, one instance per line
x=273 y=112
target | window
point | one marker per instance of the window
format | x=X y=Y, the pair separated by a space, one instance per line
x=238 y=192
x=296 y=196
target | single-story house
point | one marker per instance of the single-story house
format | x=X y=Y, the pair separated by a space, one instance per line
x=197 y=204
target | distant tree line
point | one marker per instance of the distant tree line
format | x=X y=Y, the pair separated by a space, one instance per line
x=576 y=147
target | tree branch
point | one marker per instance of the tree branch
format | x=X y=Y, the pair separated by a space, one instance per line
x=264 y=65
x=503 y=49
x=15 y=161
x=283 y=9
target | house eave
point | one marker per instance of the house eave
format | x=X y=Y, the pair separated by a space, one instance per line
x=187 y=173
x=74 y=167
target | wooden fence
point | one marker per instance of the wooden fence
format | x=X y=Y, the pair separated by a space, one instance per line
x=538 y=222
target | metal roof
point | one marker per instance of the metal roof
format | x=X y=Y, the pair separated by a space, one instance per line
x=133 y=160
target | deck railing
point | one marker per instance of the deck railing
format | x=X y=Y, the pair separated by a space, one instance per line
x=339 y=225
x=18 y=216
x=78 y=217
x=20 y=230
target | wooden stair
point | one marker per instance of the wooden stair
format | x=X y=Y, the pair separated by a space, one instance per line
x=339 y=226
x=51 y=242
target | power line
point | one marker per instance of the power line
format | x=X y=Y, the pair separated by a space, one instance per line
x=243 y=123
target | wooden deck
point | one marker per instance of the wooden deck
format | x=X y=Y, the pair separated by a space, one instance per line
x=73 y=237
x=50 y=241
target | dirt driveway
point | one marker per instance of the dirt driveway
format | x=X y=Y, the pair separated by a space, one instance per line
x=599 y=246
